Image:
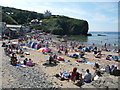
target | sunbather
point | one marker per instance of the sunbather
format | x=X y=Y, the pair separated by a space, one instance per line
x=98 y=55
x=109 y=57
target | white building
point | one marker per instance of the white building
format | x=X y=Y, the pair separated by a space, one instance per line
x=47 y=13
x=26 y=28
x=34 y=21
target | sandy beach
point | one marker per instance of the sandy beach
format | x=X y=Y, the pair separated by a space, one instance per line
x=51 y=70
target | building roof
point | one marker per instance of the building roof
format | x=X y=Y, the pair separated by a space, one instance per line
x=13 y=26
x=12 y=29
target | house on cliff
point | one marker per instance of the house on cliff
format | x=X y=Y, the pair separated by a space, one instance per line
x=47 y=13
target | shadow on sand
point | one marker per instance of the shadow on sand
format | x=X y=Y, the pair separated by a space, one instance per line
x=50 y=65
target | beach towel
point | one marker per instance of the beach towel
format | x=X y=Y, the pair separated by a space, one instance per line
x=103 y=58
x=81 y=61
x=60 y=59
x=27 y=53
x=63 y=76
x=90 y=63
x=20 y=65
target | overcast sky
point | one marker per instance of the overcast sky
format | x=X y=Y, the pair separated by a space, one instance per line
x=101 y=15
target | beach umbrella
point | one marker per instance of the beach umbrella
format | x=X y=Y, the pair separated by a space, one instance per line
x=44 y=50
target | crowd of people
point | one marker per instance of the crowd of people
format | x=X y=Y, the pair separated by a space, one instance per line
x=76 y=76
x=60 y=48
x=14 y=51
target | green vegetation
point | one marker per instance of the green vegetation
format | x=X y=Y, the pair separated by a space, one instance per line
x=59 y=25
x=63 y=25
x=19 y=16
x=6 y=18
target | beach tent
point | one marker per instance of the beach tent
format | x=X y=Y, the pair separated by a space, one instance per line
x=37 y=46
x=114 y=50
x=115 y=58
x=44 y=50
x=33 y=44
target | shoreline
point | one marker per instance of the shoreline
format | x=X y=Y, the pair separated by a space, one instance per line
x=86 y=43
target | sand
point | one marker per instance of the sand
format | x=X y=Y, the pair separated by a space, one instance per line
x=41 y=59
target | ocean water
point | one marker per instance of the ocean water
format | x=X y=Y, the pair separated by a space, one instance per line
x=110 y=38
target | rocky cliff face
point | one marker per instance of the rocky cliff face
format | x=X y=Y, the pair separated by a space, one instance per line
x=66 y=26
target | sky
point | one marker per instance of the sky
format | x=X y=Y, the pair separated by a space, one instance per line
x=101 y=15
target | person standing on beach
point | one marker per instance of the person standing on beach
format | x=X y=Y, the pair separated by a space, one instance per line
x=66 y=51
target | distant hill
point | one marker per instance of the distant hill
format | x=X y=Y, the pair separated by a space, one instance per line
x=59 y=25
x=18 y=16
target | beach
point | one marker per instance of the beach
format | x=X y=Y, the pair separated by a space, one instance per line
x=43 y=76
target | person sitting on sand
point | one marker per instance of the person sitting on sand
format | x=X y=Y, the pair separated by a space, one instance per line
x=97 y=74
x=87 y=77
x=21 y=51
x=113 y=70
x=14 y=59
x=55 y=57
x=75 y=75
x=25 y=61
x=109 y=57
x=59 y=51
x=3 y=44
x=97 y=66
x=30 y=63
x=51 y=59
x=66 y=51
x=98 y=55
x=82 y=53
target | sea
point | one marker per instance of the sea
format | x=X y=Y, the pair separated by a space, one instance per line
x=111 y=39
